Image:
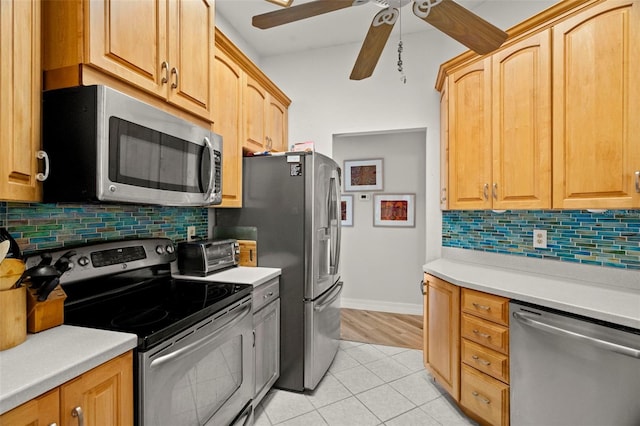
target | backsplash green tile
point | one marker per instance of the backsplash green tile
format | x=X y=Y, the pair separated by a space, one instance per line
x=45 y=226
x=611 y=238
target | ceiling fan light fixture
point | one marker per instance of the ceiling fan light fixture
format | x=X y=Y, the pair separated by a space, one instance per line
x=283 y=3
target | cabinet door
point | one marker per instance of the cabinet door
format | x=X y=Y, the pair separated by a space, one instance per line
x=255 y=115
x=470 y=137
x=104 y=394
x=444 y=147
x=521 y=130
x=20 y=95
x=227 y=105
x=267 y=343
x=41 y=411
x=442 y=333
x=128 y=40
x=277 y=125
x=191 y=47
x=596 y=105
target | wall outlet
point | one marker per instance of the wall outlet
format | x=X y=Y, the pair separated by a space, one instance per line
x=191 y=232
x=539 y=238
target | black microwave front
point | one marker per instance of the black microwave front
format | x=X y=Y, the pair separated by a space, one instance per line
x=106 y=146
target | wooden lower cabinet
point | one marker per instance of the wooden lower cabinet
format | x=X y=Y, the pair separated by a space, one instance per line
x=466 y=348
x=484 y=398
x=103 y=396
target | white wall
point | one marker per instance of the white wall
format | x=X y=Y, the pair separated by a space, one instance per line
x=371 y=255
x=325 y=102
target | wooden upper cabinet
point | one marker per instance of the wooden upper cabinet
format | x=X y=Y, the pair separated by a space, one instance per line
x=164 y=48
x=596 y=104
x=255 y=115
x=278 y=125
x=470 y=136
x=521 y=129
x=444 y=148
x=20 y=91
x=442 y=333
x=227 y=107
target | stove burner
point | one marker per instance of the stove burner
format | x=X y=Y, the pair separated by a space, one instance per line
x=139 y=318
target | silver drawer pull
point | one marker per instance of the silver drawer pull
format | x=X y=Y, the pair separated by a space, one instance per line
x=268 y=295
x=637 y=180
x=483 y=307
x=77 y=412
x=485 y=335
x=485 y=191
x=481 y=360
x=481 y=398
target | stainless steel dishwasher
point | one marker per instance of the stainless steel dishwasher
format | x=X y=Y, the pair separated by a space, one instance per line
x=570 y=370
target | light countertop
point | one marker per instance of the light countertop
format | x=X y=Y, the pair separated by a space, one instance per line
x=52 y=357
x=239 y=274
x=615 y=304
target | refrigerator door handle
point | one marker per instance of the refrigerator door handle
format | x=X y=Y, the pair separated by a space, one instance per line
x=334 y=223
x=322 y=306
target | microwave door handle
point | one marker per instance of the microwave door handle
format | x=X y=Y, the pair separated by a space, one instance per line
x=212 y=168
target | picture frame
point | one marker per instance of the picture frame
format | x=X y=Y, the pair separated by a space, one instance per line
x=363 y=175
x=394 y=210
x=346 y=210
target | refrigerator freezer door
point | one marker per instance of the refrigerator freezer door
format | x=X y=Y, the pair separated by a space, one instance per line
x=325 y=223
x=322 y=335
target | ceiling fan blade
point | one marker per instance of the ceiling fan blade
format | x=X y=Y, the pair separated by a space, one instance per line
x=298 y=12
x=462 y=25
x=374 y=43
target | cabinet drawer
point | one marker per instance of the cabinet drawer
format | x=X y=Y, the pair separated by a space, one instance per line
x=494 y=308
x=486 y=360
x=486 y=333
x=484 y=396
x=265 y=293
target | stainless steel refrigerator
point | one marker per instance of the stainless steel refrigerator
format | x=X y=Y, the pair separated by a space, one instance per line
x=294 y=202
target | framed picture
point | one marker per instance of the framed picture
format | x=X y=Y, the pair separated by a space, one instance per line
x=363 y=175
x=394 y=210
x=346 y=210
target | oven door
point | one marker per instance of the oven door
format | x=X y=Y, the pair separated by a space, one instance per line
x=201 y=376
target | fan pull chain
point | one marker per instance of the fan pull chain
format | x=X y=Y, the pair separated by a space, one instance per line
x=403 y=78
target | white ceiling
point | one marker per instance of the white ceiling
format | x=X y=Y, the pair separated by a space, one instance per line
x=344 y=26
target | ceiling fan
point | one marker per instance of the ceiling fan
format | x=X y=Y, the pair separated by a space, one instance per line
x=449 y=17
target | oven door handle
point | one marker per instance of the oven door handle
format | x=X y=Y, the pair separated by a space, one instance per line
x=212 y=169
x=192 y=347
x=603 y=344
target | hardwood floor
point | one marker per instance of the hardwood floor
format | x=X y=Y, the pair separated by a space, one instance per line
x=381 y=328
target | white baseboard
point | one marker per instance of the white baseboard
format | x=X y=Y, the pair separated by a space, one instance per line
x=376 y=305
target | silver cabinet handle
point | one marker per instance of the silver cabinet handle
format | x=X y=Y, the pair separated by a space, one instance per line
x=482 y=307
x=485 y=335
x=268 y=295
x=485 y=191
x=481 y=398
x=41 y=155
x=54 y=424
x=77 y=412
x=494 y=191
x=164 y=67
x=443 y=198
x=423 y=286
x=480 y=360
x=174 y=71
x=638 y=181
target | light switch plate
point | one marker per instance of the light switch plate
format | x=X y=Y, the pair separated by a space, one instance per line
x=539 y=238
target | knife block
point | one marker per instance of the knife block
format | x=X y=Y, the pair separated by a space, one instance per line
x=13 y=317
x=46 y=314
x=248 y=253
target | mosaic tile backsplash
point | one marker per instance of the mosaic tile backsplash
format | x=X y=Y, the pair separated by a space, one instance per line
x=45 y=226
x=610 y=239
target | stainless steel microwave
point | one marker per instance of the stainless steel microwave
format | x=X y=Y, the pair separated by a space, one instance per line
x=106 y=146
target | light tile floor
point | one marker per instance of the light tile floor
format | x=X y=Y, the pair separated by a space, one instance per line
x=366 y=385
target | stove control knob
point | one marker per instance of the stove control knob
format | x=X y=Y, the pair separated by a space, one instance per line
x=159 y=249
x=170 y=249
x=83 y=261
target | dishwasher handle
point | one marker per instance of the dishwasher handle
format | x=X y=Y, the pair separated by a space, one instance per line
x=603 y=344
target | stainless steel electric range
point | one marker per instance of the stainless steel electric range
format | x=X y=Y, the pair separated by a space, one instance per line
x=194 y=363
